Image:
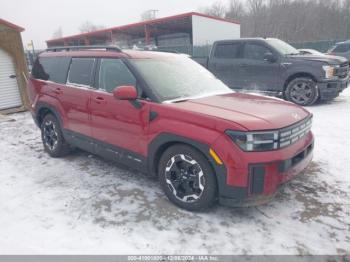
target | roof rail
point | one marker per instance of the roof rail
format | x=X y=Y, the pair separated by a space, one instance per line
x=83 y=47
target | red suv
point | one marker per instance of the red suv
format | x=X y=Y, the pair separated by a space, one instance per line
x=165 y=114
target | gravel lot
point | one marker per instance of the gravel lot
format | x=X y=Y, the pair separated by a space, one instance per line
x=83 y=204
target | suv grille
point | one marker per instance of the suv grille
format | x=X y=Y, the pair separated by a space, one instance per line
x=294 y=133
x=342 y=71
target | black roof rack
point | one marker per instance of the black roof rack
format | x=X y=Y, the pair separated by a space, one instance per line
x=83 y=47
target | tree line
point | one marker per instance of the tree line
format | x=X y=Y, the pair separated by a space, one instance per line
x=290 y=20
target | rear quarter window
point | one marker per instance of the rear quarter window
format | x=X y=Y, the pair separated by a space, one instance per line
x=54 y=69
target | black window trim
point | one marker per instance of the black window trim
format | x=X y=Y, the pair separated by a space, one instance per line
x=97 y=73
x=272 y=50
x=239 y=50
x=139 y=80
x=92 y=76
x=37 y=60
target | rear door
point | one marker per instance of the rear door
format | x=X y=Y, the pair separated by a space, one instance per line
x=75 y=96
x=258 y=73
x=225 y=63
x=119 y=126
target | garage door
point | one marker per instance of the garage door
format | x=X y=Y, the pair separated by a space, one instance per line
x=9 y=92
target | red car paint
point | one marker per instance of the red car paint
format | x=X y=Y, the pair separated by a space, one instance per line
x=101 y=116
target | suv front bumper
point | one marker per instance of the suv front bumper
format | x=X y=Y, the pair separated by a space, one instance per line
x=255 y=178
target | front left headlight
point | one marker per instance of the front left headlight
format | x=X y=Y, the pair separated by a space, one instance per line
x=255 y=141
x=329 y=71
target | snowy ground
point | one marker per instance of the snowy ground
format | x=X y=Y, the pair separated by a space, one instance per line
x=84 y=205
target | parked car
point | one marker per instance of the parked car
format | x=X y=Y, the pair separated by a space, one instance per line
x=165 y=114
x=341 y=49
x=309 y=52
x=273 y=66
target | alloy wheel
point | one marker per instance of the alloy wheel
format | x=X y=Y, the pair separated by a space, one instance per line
x=301 y=93
x=50 y=135
x=185 y=178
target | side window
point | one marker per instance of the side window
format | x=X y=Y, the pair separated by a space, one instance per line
x=255 y=52
x=342 y=48
x=113 y=73
x=51 y=68
x=228 y=51
x=80 y=71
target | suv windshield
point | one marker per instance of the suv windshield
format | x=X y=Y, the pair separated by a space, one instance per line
x=178 y=78
x=282 y=47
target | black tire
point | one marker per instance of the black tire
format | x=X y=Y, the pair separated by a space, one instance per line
x=194 y=188
x=52 y=137
x=302 y=91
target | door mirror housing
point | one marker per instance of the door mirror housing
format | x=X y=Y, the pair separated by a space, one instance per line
x=269 y=57
x=125 y=93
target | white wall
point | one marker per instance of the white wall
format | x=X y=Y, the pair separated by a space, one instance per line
x=208 y=30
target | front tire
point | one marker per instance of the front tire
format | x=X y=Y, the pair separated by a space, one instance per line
x=52 y=137
x=302 y=91
x=187 y=178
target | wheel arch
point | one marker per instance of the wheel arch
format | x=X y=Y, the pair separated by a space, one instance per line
x=297 y=75
x=165 y=140
x=44 y=109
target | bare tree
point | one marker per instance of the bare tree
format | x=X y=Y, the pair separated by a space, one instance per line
x=58 y=33
x=149 y=15
x=216 y=9
x=87 y=26
x=290 y=20
x=235 y=10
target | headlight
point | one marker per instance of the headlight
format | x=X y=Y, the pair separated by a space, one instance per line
x=329 y=71
x=255 y=141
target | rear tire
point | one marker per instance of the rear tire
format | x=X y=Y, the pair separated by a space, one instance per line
x=302 y=91
x=187 y=178
x=52 y=137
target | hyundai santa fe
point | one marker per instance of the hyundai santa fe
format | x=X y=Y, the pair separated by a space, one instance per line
x=166 y=115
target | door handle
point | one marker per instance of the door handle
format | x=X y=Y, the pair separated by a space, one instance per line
x=100 y=100
x=57 y=91
x=12 y=76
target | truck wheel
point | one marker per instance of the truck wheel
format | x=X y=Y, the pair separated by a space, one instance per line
x=187 y=178
x=52 y=137
x=302 y=91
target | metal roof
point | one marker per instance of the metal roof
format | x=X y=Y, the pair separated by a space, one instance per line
x=135 y=26
x=11 y=25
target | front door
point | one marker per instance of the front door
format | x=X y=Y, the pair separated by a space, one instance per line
x=259 y=74
x=118 y=126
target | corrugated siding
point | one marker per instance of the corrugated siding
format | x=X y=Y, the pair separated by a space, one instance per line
x=9 y=92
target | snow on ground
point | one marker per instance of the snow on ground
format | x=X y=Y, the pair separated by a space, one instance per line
x=82 y=204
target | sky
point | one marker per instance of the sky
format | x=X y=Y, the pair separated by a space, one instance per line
x=41 y=18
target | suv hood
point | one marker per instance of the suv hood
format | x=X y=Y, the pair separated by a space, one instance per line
x=329 y=59
x=253 y=112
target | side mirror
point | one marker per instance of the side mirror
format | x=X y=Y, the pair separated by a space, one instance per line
x=269 y=57
x=125 y=93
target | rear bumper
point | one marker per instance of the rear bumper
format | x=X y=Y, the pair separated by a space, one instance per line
x=259 y=178
x=331 y=89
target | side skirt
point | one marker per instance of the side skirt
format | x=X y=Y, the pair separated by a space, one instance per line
x=107 y=151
